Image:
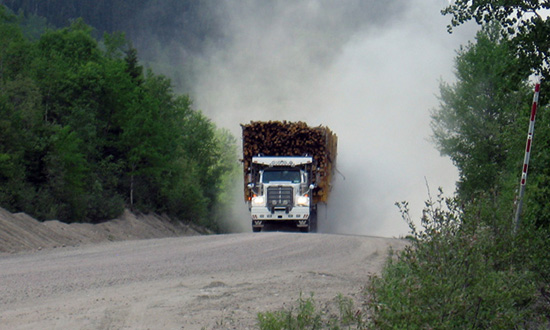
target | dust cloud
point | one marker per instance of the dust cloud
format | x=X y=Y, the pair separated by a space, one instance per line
x=369 y=70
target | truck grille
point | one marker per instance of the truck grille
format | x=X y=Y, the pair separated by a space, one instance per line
x=280 y=198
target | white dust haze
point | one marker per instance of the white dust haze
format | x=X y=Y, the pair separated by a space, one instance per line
x=369 y=70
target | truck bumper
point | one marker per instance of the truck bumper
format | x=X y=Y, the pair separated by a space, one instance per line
x=261 y=215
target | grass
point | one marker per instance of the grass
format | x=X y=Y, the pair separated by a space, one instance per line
x=338 y=314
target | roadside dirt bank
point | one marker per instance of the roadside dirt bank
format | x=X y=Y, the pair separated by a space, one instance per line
x=20 y=232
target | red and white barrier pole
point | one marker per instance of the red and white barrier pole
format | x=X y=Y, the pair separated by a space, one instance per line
x=527 y=154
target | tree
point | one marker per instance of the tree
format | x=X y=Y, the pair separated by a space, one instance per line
x=527 y=27
x=476 y=124
x=133 y=68
x=13 y=47
x=84 y=132
x=522 y=21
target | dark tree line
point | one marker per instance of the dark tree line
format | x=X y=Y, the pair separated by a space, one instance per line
x=85 y=131
x=187 y=21
x=191 y=22
x=169 y=34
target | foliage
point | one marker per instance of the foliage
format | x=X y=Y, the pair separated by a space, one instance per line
x=307 y=316
x=86 y=132
x=228 y=173
x=167 y=19
x=477 y=123
x=537 y=196
x=467 y=267
x=165 y=31
x=522 y=21
x=457 y=273
x=481 y=125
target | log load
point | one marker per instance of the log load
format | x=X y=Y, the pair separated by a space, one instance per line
x=276 y=138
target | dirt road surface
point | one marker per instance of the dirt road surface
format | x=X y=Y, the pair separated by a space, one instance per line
x=197 y=282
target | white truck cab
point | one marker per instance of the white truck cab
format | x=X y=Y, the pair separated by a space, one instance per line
x=281 y=190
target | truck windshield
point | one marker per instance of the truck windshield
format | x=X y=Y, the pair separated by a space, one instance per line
x=281 y=175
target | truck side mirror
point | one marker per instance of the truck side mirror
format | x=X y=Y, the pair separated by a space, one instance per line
x=311 y=186
x=251 y=185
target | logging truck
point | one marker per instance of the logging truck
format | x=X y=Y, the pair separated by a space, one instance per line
x=288 y=168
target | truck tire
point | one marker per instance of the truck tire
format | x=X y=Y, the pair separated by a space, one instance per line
x=256 y=229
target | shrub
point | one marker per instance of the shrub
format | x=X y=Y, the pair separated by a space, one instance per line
x=339 y=314
x=456 y=274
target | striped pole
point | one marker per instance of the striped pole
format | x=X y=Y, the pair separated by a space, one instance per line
x=527 y=154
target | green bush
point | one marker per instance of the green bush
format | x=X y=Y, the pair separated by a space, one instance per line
x=339 y=314
x=456 y=274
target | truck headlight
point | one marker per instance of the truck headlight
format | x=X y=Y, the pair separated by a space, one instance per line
x=302 y=200
x=258 y=201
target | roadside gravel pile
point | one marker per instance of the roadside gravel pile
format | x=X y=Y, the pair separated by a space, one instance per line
x=20 y=232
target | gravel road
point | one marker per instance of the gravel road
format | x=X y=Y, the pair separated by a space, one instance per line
x=199 y=282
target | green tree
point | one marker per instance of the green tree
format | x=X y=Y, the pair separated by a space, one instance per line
x=523 y=21
x=227 y=171
x=69 y=69
x=183 y=192
x=527 y=27
x=161 y=143
x=67 y=171
x=133 y=68
x=115 y=44
x=477 y=123
x=537 y=196
x=85 y=133
x=14 y=48
x=20 y=115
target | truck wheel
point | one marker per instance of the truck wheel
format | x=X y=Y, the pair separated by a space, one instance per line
x=305 y=229
x=256 y=229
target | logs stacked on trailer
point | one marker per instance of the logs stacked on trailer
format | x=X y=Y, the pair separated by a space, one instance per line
x=276 y=138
